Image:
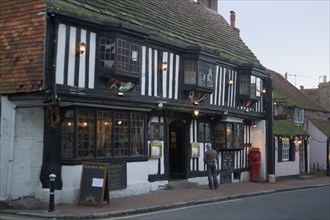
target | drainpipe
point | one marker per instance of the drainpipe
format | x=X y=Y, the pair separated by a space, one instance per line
x=11 y=152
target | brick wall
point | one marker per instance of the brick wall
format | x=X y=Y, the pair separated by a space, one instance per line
x=22 y=25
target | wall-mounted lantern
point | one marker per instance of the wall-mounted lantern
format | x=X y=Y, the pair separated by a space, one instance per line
x=81 y=48
x=230 y=82
x=196 y=113
x=164 y=66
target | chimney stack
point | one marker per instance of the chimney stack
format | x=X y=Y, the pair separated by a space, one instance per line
x=232 y=19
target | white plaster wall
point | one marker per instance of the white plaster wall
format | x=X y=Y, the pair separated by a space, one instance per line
x=286 y=168
x=258 y=139
x=28 y=148
x=7 y=109
x=318 y=147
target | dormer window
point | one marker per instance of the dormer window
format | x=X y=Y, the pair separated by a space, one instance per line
x=119 y=57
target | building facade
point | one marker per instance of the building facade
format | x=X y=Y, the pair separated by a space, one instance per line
x=140 y=85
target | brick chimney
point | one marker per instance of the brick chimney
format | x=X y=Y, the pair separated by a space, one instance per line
x=232 y=19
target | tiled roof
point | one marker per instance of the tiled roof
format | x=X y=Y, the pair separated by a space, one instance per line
x=323 y=125
x=282 y=88
x=21 y=45
x=182 y=22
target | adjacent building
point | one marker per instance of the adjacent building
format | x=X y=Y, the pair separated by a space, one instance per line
x=140 y=85
x=296 y=117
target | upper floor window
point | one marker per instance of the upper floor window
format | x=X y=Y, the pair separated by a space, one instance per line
x=119 y=54
x=250 y=85
x=92 y=133
x=199 y=73
x=299 y=115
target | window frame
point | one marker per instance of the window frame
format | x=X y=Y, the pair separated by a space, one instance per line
x=132 y=68
x=299 y=115
x=95 y=135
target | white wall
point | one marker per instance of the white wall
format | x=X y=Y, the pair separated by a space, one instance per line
x=286 y=168
x=27 y=148
x=258 y=139
x=318 y=147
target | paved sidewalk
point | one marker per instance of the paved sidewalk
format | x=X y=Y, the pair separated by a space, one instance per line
x=164 y=199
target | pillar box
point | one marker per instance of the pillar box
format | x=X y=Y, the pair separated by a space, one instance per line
x=254 y=164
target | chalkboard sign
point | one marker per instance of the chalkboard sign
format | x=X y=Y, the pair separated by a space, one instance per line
x=94 y=184
x=117 y=176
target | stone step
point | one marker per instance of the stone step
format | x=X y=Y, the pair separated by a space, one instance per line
x=181 y=184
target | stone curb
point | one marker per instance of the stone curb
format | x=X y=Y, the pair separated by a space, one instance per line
x=158 y=207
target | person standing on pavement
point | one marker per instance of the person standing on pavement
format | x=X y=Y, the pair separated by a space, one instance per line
x=210 y=159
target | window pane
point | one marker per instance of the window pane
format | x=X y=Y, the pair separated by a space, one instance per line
x=67 y=134
x=107 y=52
x=207 y=132
x=137 y=134
x=121 y=127
x=85 y=133
x=253 y=86
x=258 y=87
x=244 y=88
x=285 y=149
x=200 y=134
x=190 y=68
x=104 y=134
x=229 y=135
x=202 y=72
x=219 y=136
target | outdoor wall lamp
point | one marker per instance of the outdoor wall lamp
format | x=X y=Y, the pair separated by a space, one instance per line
x=196 y=113
x=164 y=66
x=263 y=91
x=81 y=48
x=230 y=82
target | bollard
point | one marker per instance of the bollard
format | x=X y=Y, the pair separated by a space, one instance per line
x=51 y=207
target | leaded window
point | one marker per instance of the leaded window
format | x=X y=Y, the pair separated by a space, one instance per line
x=204 y=132
x=97 y=133
x=228 y=135
x=199 y=73
x=119 y=54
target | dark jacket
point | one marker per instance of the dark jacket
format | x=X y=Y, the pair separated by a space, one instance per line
x=210 y=156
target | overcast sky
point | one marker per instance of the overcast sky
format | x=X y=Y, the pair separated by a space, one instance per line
x=286 y=36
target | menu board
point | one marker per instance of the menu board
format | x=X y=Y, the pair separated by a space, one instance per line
x=94 y=184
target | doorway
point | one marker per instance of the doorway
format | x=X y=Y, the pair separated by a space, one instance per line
x=177 y=150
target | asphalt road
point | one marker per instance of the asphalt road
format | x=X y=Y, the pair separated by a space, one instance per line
x=309 y=204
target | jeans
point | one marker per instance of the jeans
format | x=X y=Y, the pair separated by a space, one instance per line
x=212 y=176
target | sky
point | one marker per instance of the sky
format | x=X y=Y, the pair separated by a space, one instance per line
x=286 y=36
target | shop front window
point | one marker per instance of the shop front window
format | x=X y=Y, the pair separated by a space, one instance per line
x=228 y=136
x=92 y=133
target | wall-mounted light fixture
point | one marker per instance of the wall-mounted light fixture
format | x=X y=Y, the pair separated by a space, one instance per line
x=230 y=82
x=120 y=94
x=81 y=48
x=263 y=91
x=164 y=66
x=196 y=113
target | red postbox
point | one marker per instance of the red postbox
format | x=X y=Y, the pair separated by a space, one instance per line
x=254 y=164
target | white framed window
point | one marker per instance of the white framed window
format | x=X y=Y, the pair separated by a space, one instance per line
x=285 y=149
x=299 y=115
